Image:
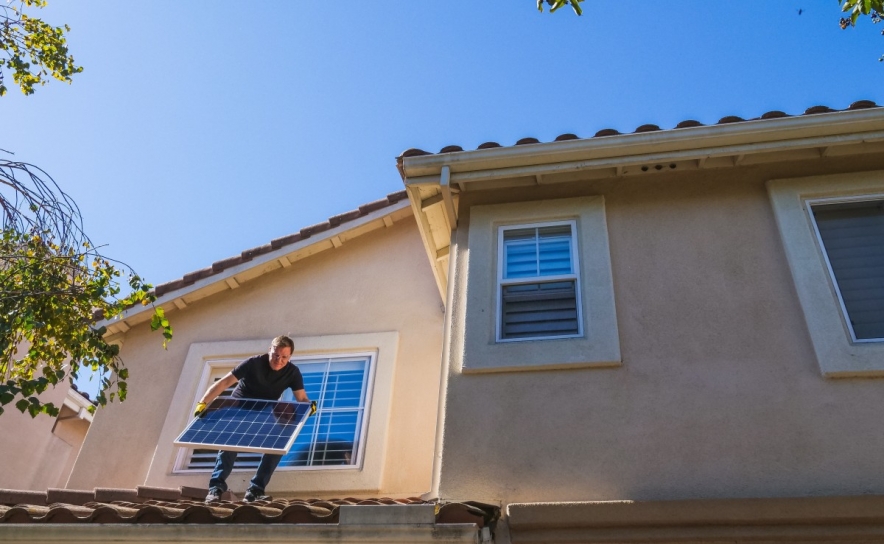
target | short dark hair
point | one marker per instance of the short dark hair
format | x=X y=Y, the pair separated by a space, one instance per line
x=284 y=342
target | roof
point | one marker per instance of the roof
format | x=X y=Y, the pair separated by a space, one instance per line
x=155 y=505
x=687 y=123
x=306 y=232
x=251 y=263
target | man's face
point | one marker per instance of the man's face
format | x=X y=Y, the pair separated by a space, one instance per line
x=279 y=356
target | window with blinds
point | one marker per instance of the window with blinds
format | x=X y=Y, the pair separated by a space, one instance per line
x=539 y=295
x=852 y=237
x=330 y=438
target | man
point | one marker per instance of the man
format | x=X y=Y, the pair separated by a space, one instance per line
x=261 y=377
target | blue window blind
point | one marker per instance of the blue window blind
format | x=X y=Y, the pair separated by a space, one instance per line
x=332 y=436
x=329 y=438
x=542 y=251
x=538 y=283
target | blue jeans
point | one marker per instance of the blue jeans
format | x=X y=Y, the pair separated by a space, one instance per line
x=224 y=465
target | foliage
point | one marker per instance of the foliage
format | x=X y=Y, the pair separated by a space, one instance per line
x=556 y=4
x=53 y=285
x=32 y=49
x=874 y=9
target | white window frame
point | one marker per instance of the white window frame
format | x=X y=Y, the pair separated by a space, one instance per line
x=474 y=322
x=810 y=203
x=225 y=365
x=838 y=355
x=502 y=282
x=367 y=478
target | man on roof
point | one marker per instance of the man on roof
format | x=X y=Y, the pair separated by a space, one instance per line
x=266 y=377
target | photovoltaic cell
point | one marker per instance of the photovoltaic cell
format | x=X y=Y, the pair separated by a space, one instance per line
x=252 y=425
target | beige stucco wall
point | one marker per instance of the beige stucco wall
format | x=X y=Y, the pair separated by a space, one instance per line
x=379 y=282
x=719 y=393
x=32 y=456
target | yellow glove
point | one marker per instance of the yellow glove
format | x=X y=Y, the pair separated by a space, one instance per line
x=200 y=410
x=312 y=407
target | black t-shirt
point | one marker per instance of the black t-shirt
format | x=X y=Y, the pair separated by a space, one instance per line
x=258 y=381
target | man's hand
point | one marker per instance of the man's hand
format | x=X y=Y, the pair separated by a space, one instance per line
x=200 y=410
x=312 y=407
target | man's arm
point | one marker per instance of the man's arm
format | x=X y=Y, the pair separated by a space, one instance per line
x=301 y=395
x=216 y=389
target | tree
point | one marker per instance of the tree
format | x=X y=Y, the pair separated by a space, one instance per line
x=556 y=4
x=54 y=285
x=874 y=9
x=32 y=49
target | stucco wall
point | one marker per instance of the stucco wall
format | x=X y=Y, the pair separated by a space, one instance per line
x=32 y=456
x=379 y=282
x=719 y=393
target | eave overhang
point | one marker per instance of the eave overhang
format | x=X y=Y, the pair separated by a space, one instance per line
x=435 y=181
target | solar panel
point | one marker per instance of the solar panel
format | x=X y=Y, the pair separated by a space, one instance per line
x=253 y=425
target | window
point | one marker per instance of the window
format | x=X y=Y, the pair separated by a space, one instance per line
x=538 y=282
x=332 y=437
x=536 y=270
x=852 y=238
x=831 y=229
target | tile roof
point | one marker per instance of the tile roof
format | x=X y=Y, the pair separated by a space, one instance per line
x=814 y=110
x=156 y=505
x=306 y=232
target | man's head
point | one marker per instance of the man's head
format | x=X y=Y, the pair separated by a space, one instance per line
x=280 y=351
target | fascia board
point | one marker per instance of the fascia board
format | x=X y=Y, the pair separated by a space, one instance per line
x=760 y=131
x=261 y=260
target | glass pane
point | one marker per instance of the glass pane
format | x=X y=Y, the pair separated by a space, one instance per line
x=853 y=238
x=520 y=259
x=542 y=251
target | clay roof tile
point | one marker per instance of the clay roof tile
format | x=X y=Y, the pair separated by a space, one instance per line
x=689 y=123
x=818 y=109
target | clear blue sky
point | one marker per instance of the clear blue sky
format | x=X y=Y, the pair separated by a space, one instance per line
x=199 y=129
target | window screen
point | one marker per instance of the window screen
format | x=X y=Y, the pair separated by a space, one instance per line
x=538 y=283
x=852 y=235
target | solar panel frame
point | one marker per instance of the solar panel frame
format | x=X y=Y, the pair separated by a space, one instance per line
x=246 y=425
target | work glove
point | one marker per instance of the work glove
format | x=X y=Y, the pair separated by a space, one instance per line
x=200 y=410
x=312 y=407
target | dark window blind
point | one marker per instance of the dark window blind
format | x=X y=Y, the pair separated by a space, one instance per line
x=853 y=238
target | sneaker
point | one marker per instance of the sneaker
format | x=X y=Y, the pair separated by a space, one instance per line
x=214 y=495
x=252 y=496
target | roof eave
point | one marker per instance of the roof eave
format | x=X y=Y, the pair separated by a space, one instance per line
x=258 y=266
x=422 y=169
x=427 y=176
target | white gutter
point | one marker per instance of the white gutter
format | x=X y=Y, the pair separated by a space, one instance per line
x=762 y=134
x=79 y=404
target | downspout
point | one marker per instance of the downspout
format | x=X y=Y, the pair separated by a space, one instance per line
x=447 y=202
x=434 y=493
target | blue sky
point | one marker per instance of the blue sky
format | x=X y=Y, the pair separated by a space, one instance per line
x=199 y=129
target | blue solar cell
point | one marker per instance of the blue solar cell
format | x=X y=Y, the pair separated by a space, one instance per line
x=261 y=426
